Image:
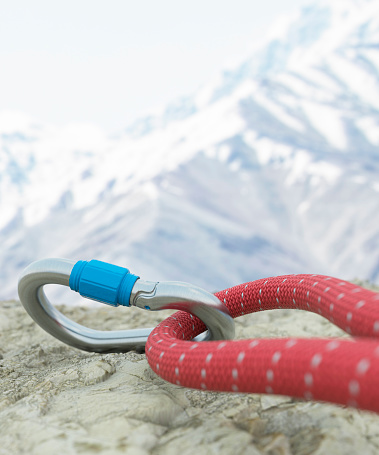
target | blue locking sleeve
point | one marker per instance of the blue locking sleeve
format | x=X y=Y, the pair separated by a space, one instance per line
x=103 y=282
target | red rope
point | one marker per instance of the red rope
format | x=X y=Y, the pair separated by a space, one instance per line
x=344 y=371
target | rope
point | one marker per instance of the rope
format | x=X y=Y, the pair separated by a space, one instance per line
x=343 y=371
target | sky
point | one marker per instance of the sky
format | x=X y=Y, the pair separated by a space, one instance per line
x=109 y=62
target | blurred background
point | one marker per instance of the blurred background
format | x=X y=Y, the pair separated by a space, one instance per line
x=208 y=142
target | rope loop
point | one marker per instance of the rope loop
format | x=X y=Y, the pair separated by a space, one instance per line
x=343 y=371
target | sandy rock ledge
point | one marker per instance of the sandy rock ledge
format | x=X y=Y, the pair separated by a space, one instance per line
x=56 y=399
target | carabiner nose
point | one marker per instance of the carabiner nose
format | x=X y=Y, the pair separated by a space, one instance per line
x=114 y=285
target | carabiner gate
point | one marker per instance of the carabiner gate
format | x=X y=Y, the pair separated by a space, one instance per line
x=115 y=286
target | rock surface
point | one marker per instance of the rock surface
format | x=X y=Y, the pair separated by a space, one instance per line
x=56 y=399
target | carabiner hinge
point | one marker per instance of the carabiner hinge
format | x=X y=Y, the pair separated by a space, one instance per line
x=185 y=297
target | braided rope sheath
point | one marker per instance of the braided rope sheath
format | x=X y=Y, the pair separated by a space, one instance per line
x=344 y=371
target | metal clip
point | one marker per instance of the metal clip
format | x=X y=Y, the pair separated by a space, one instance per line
x=142 y=294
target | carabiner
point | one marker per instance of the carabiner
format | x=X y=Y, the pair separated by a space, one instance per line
x=114 y=285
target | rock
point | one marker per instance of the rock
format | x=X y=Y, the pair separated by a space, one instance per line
x=56 y=399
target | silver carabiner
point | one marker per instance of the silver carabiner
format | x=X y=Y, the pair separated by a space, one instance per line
x=109 y=284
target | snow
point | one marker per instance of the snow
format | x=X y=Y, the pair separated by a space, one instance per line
x=304 y=168
x=224 y=153
x=298 y=167
x=303 y=207
x=372 y=56
x=278 y=111
x=327 y=121
x=298 y=86
x=359 y=179
x=268 y=150
x=8 y=212
x=370 y=128
x=328 y=172
x=250 y=138
x=357 y=80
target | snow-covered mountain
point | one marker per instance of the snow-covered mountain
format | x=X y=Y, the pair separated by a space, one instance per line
x=271 y=169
